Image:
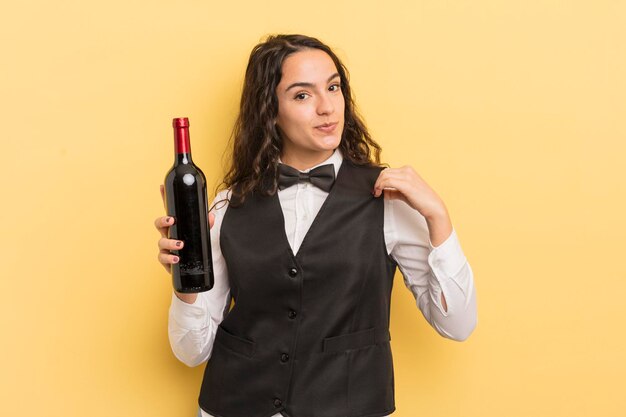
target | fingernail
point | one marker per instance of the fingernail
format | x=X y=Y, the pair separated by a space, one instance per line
x=175 y=259
x=168 y=220
x=178 y=244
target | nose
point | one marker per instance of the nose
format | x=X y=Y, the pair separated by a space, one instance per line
x=325 y=105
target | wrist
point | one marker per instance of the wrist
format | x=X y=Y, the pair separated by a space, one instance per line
x=439 y=214
x=439 y=228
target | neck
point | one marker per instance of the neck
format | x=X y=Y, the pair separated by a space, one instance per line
x=303 y=162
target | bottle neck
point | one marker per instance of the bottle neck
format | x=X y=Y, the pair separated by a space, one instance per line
x=182 y=146
x=182 y=158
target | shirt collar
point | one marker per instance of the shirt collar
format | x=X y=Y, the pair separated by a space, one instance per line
x=336 y=159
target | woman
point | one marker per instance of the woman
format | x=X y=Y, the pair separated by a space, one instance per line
x=307 y=243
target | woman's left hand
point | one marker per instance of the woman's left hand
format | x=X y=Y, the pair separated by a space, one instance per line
x=406 y=184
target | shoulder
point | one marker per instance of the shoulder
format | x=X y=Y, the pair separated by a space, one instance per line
x=362 y=176
x=366 y=167
x=367 y=170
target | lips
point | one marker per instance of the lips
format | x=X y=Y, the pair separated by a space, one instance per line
x=327 y=127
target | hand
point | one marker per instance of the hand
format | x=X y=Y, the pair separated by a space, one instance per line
x=165 y=244
x=406 y=184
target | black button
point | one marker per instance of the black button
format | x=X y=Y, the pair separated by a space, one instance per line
x=292 y=314
x=277 y=402
x=293 y=272
x=284 y=357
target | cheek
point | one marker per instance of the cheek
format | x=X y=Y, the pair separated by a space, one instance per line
x=340 y=106
x=297 y=118
x=294 y=124
x=284 y=118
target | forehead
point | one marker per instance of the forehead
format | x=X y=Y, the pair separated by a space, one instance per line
x=307 y=65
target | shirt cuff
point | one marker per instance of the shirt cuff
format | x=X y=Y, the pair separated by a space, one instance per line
x=189 y=316
x=448 y=257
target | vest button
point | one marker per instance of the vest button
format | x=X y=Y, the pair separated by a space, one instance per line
x=292 y=314
x=277 y=402
x=284 y=357
x=293 y=272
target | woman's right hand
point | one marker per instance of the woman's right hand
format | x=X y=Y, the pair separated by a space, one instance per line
x=166 y=245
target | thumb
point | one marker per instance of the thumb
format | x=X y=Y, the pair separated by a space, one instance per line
x=394 y=195
x=211 y=219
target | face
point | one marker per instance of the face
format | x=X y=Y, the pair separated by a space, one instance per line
x=309 y=97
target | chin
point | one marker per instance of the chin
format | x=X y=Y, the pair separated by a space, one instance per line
x=330 y=143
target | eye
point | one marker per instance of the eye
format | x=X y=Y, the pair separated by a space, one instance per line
x=300 y=96
x=336 y=85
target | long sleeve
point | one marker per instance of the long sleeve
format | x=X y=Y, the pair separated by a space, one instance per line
x=192 y=327
x=429 y=271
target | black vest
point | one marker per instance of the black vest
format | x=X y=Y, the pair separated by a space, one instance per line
x=308 y=335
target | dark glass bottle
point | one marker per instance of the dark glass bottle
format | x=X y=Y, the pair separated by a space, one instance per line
x=186 y=201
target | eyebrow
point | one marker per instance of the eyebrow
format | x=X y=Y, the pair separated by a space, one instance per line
x=309 y=84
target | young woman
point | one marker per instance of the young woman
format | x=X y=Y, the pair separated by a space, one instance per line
x=306 y=243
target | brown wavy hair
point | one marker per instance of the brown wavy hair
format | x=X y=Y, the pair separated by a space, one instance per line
x=256 y=142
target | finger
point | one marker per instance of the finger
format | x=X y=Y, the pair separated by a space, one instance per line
x=163 y=260
x=170 y=244
x=163 y=223
x=386 y=173
x=405 y=172
x=394 y=183
x=401 y=173
x=211 y=220
x=167 y=259
x=384 y=180
x=381 y=176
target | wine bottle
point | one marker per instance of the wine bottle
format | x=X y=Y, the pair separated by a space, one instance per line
x=186 y=201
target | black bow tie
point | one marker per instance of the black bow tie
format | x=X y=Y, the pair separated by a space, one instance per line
x=322 y=177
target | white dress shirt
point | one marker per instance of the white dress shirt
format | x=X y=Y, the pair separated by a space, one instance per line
x=428 y=272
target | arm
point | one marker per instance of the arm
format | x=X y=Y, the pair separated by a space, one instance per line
x=439 y=229
x=192 y=325
x=434 y=268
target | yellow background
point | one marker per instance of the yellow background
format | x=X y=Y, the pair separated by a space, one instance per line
x=513 y=111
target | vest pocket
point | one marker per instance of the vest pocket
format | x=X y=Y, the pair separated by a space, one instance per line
x=235 y=343
x=356 y=340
